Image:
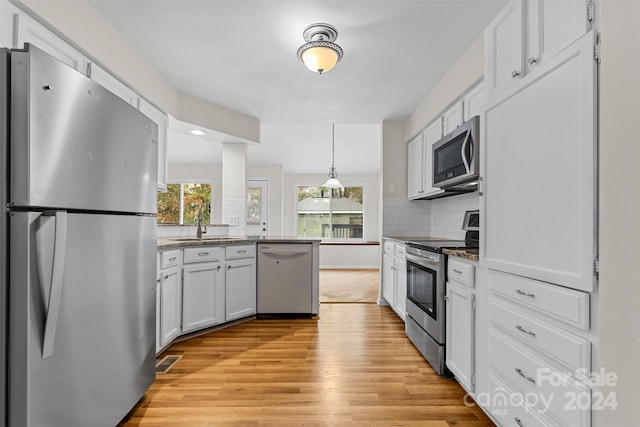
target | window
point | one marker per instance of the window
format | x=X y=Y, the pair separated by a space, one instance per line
x=179 y=204
x=330 y=213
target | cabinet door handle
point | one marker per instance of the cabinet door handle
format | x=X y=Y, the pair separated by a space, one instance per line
x=522 y=374
x=532 y=60
x=166 y=277
x=228 y=267
x=173 y=258
x=517 y=420
x=159 y=280
x=521 y=329
x=203 y=253
x=515 y=74
x=526 y=294
x=457 y=271
x=218 y=268
x=244 y=251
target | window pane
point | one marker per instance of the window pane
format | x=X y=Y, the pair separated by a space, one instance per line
x=169 y=205
x=195 y=195
x=254 y=205
x=330 y=214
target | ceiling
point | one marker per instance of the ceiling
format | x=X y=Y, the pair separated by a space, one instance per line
x=241 y=54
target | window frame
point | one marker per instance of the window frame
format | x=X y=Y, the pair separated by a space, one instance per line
x=181 y=210
x=333 y=240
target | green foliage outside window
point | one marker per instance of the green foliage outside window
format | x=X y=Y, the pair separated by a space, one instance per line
x=193 y=194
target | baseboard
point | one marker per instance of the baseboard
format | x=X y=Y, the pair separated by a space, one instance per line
x=350 y=267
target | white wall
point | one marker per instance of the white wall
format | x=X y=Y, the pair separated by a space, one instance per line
x=619 y=206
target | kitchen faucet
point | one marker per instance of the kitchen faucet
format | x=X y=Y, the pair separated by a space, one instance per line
x=199 y=231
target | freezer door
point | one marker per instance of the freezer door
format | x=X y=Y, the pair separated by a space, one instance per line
x=81 y=317
x=74 y=144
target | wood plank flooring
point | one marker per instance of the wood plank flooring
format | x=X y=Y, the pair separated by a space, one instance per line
x=352 y=366
x=353 y=285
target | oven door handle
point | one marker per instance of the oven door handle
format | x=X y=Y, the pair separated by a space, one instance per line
x=425 y=261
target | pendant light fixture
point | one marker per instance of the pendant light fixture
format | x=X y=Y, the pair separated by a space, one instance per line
x=320 y=54
x=333 y=181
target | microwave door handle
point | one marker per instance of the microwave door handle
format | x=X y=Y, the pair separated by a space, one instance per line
x=463 y=151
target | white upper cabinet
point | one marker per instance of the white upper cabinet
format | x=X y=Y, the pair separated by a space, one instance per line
x=21 y=29
x=539 y=169
x=431 y=135
x=526 y=33
x=114 y=85
x=162 y=121
x=415 y=168
x=452 y=118
x=474 y=101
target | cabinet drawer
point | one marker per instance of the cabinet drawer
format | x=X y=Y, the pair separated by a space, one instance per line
x=566 y=305
x=569 y=349
x=460 y=271
x=201 y=254
x=401 y=251
x=242 y=251
x=512 y=412
x=170 y=258
x=530 y=374
x=389 y=248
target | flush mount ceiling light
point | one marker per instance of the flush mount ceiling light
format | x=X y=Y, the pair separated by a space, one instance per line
x=198 y=132
x=333 y=181
x=320 y=54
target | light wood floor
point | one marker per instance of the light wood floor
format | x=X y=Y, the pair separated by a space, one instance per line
x=338 y=285
x=352 y=366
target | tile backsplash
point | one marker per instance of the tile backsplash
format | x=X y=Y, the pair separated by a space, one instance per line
x=436 y=218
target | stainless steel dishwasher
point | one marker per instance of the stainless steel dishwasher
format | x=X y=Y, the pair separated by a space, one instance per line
x=285 y=279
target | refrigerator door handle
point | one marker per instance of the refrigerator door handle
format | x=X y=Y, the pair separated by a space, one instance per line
x=55 y=293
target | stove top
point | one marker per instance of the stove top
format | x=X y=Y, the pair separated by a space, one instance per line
x=438 y=245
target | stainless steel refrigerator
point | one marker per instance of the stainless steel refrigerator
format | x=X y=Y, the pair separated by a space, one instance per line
x=77 y=267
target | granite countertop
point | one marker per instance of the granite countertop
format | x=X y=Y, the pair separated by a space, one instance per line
x=179 y=242
x=405 y=239
x=470 y=254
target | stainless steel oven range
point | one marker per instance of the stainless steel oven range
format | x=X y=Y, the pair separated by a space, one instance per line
x=426 y=279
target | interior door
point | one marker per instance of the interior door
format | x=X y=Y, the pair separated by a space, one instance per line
x=257 y=207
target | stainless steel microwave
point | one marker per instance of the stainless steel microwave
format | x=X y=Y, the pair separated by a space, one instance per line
x=456 y=159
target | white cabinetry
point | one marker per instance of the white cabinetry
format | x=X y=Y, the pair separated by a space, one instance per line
x=539 y=173
x=168 y=298
x=420 y=148
x=162 y=121
x=473 y=101
x=114 y=85
x=203 y=291
x=526 y=33
x=19 y=28
x=394 y=279
x=415 y=168
x=240 y=282
x=537 y=336
x=452 y=117
x=461 y=318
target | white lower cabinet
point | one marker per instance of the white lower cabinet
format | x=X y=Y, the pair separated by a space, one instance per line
x=168 y=298
x=460 y=324
x=169 y=305
x=539 y=351
x=394 y=277
x=203 y=298
x=240 y=282
x=203 y=286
